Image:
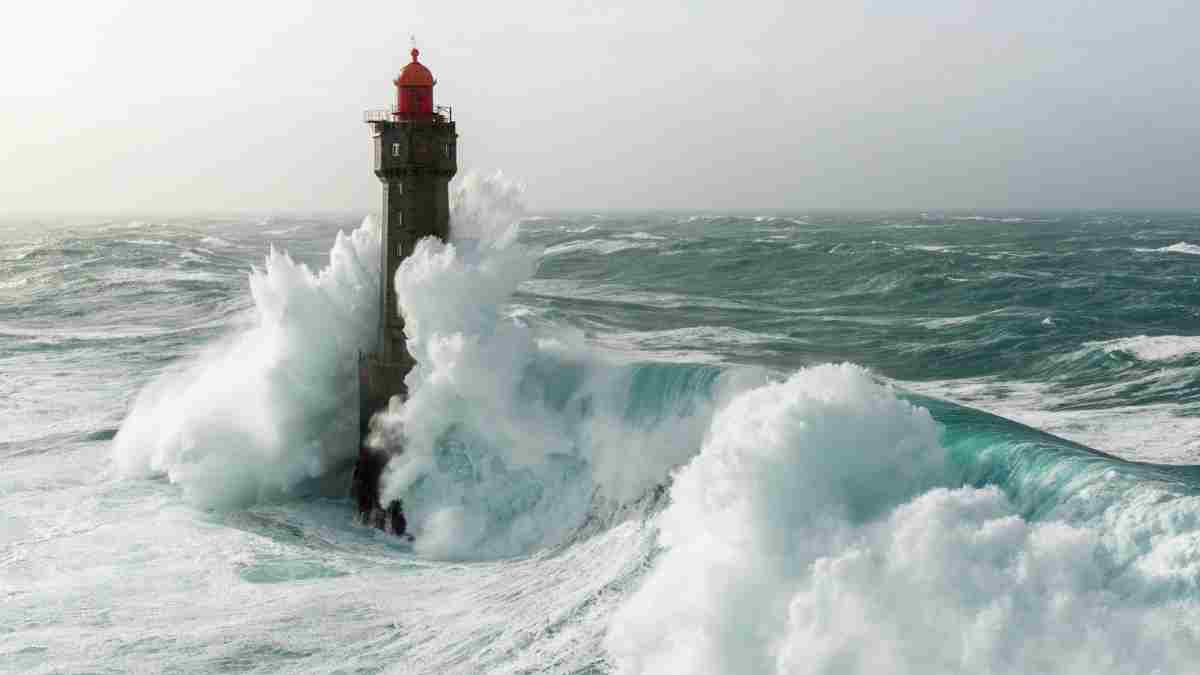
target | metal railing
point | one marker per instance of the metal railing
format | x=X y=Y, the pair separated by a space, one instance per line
x=442 y=112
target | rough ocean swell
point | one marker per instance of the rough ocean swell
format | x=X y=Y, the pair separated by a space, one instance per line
x=659 y=443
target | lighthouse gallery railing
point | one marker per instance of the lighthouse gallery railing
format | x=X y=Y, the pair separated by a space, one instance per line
x=443 y=112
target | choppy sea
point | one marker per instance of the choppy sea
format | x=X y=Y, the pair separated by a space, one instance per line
x=940 y=442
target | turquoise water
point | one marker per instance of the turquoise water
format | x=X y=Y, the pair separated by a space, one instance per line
x=631 y=446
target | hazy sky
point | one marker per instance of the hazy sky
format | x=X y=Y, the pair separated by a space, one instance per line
x=157 y=105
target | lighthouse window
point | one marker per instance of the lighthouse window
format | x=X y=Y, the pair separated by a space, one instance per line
x=395 y=149
x=446 y=149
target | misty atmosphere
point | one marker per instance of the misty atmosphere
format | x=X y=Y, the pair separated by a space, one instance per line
x=169 y=107
x=760 y=338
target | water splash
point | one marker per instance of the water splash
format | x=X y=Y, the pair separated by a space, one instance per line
x=825 y=528
x=514 y=434
x=258 y=414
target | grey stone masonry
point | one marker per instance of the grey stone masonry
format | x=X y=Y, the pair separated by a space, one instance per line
x=415 y=160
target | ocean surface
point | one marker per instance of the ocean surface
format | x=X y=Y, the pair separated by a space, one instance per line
x=941 y=442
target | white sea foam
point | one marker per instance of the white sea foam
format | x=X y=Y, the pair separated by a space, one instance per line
x=570 y=288
x=1181 y=247
x=131 y=225
x=806 y=538
x=781 y=467
x=148 y=242
x=1147 y=348
x=1162 y=433
x=281 y=231
x=20 y=252
x=270 y=407
x=598 y=246
x=486 y=207
x=15 y=282
x=693 y=342
x=644 y=235
x=990 y=219
x=512 y=435
x=950 y=322
x=126 y=275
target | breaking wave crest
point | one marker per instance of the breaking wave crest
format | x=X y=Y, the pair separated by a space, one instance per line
x=513 y=435
x=829 y=526
x=818 y=523
x=268 y=409
x=1180 y=247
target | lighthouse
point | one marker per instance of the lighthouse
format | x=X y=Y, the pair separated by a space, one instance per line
x=415 y=158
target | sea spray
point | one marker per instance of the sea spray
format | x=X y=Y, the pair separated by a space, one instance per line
x=513 y=434
x=260 y=412
x=823 y=528
x=486 y=207
x=275 y=404
x=783 y=467
x=1052 y=560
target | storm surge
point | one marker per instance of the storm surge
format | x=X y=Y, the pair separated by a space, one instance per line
x=663 y=516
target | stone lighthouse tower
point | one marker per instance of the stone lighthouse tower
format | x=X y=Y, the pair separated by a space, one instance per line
x=415 y=158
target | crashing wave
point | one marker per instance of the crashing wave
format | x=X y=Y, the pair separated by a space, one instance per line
x=255 y=416
x=829 y=526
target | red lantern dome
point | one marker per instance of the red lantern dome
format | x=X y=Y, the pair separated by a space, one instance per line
x=414 y=90
x=415 y=74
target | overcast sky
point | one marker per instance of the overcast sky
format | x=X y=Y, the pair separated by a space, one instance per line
x=157 y=105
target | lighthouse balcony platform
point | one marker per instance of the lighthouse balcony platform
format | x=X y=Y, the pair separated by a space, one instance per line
x=441 y=113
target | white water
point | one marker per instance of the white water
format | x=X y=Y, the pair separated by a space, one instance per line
x=1161 y=433
x=1152 y=348
x=266 y=409
x=803 y=539
x=513 y=435
x=812 y=528
x=1181 y=247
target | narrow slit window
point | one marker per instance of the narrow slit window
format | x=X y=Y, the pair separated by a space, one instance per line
x=395 y=149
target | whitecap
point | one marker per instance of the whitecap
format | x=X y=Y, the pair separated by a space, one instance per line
x=1147 y=348
x=1181 y=247
x=597 y=246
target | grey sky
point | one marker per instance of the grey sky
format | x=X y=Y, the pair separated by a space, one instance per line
x=149 y=105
